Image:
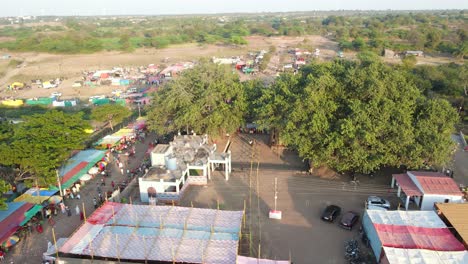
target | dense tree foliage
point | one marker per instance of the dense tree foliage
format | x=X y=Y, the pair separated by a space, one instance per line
x=358 y=116
x=206 y=99
x=4 y=187
x=110 y=113
x=40 y=144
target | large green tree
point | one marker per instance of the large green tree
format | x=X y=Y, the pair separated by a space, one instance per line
x=359 y=116
x=41 y=143
x=4 y=187
x=207 y=99
x=110 y=113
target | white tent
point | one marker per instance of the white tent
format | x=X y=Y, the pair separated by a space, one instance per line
x=423 y=256
x=406 y=218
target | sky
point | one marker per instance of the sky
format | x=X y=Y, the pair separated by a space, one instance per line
x=160 y=7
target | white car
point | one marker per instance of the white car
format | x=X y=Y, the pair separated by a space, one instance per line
x=56 y=94
x=96 y=97
x=117 y=92
x=377 y=201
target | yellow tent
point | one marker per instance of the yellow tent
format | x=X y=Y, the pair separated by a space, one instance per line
x=31 y=199
x=17 y=85
x=88 y=131
x=13 y=102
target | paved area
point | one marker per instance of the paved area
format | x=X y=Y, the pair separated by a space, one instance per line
x=300 y=234
x=460 y=162
x=29 y=250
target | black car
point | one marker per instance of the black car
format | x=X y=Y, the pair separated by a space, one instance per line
x=331 y=213
x=348 y=220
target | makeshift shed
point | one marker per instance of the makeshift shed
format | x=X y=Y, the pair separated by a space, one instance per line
x=78 y=165
x=157 y=233
x=13 y=102
x=40 y=101
x=407 y=230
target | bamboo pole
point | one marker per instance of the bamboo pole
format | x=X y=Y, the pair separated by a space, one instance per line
x=91 y=248
x=217 y=204
x=117 y=243
x=84 y=212
x=243 y=215
x=130 y=199
x=191 y=204
x=55 y=242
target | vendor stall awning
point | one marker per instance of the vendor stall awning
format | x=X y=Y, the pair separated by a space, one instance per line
x=31 y=213
x=79 y=165
x=407 y=185
x=11 y=218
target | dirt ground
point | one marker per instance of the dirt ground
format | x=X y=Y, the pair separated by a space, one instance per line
x=300 y=235
x=48 y=66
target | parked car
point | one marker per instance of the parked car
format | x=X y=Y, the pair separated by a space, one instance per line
x=348 y=220
x=117 y=92
x=96 y=97
x=377 y=201
x=331 y=213
x=56 y=94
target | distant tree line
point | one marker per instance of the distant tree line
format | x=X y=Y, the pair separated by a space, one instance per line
x=431 y=32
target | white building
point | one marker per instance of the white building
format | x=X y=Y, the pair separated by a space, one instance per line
x=426 y=188
x=186 y=160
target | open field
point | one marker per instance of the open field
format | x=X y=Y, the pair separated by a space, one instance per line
x=48 y=66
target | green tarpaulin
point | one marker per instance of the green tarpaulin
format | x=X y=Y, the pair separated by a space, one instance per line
x=31 y=213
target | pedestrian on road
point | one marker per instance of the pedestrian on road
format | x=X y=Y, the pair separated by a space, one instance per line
x=77 y=186
x=81 y=216
x=78 y=196
x=98 y=187
x=77 y=210
x=95 y=202
x=103 y=182
x=112 y=184
x=68 y=210
x=74 y=190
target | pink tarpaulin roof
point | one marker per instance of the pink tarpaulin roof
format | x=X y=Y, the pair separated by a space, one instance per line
x=413 y=237
x=407 y=185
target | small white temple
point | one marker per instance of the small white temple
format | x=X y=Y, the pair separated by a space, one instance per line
x=186 y=160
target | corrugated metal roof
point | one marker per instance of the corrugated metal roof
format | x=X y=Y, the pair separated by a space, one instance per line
x=408 y=186
x=457 y=215
x=436 y=183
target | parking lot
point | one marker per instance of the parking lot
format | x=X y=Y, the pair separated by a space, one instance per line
x=300 y=235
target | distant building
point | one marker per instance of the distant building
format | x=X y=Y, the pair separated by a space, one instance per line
x=416 y=53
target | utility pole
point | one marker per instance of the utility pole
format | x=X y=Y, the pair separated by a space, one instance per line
x=59 y=183
x=139 y=109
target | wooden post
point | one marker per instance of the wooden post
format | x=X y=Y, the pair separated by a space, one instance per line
x=259 y=250
x=84 y=212
x=217 y=204
x=191 y=204
x=243 y=215
x=131 y=199
x=146 y=252
x=55 y=242
x=172 y=202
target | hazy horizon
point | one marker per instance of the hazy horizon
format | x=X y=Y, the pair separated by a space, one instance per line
x=187 y=7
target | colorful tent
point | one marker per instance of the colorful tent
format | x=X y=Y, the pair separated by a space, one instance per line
x=11 y=219
x=78 y=165
x=31 y=213
x=13 y=102
x=35 y=196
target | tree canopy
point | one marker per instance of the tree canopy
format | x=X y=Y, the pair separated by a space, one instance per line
x=358 y=116
x=206 y=99
x=110 y=113
x=41 y=143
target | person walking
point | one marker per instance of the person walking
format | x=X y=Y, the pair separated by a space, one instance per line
x=95 y=202
x=112 y=184
x=77 y=210
x=103 y=182
x=62 y=207
x=81 y=216
x=68 y=210
x=78 y=196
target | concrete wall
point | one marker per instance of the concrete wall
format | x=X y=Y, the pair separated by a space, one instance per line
x=430 y=199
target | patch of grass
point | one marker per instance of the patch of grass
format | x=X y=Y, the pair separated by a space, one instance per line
x=14 y=63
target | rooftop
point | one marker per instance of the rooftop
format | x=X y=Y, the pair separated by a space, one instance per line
x=160 y=148
x=157 y=233
x=457 y=216
x=157 y=173
x=436 y=183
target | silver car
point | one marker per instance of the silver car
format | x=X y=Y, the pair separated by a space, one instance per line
x=377 y=201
